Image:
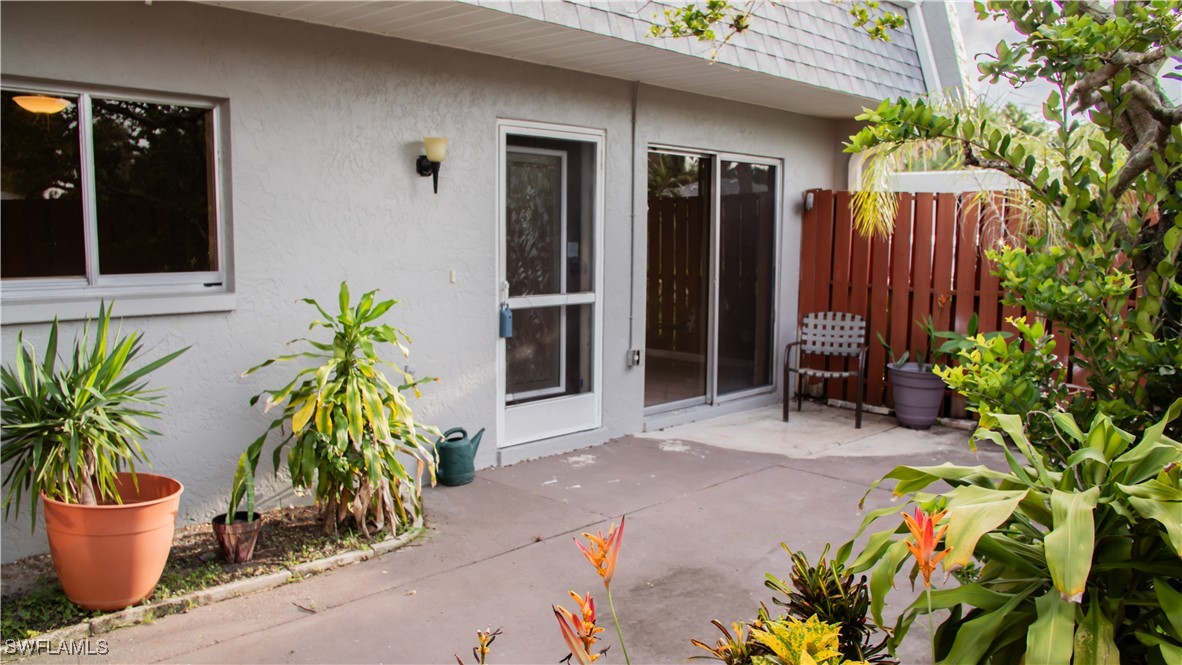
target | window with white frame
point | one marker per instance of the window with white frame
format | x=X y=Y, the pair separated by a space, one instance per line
x=107 y=194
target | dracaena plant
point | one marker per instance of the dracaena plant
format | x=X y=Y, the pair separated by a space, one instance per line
x=71 y=424
x=1081 y=562
x=349 y=432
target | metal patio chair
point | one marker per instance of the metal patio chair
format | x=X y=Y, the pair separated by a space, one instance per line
x=828 y=335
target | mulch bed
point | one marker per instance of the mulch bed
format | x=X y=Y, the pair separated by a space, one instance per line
x=32 y=602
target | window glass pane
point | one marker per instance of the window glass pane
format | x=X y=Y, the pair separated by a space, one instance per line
x=746 y=268
x=549 y=201
x=677 y=322
x=154 y=188
x=549 y=354
x=41 y=228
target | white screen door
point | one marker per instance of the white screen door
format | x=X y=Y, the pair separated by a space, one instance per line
x=550 y=278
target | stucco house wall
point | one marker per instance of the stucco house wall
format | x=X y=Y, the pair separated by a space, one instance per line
x=324 y=126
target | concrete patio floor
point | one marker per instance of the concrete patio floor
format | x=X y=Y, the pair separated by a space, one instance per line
x=708 y=505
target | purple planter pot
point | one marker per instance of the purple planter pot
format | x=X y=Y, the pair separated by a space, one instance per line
x=918 y=395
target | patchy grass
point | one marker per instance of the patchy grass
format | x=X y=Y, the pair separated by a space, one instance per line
x=33 y=602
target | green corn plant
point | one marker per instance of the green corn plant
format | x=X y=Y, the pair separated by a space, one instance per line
x=71 y=425
x=346 y=427
x=835 y=596
x=1079 y=563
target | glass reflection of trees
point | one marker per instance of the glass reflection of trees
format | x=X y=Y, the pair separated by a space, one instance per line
x=153 y=182
x=668 y=175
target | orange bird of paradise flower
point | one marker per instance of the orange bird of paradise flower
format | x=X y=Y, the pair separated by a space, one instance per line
x=603 y=551
x=923 y=527
x=579 y=632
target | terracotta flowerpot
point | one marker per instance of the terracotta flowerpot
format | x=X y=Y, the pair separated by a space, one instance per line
x=110 y=557
x=918 y=395
x=237 y=539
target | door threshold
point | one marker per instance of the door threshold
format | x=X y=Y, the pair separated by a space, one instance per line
x=665 y=419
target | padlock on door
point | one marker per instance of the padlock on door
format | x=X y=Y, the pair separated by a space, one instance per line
x=506 y=326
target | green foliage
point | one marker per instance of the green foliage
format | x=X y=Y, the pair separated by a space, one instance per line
x=1101 y=264
x=795 y=642
x=348 y=424
x=1092 y=550
x=737 y=649
x=1132 y=355
x=702 y=21
x=1019 y=376
x=833 y=595
x=70 y=427
x=44 y=608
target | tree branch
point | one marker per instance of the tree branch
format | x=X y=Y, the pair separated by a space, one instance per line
x=1167 y=115
x=1137 y=59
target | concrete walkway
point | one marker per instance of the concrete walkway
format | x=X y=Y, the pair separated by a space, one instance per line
x=708 y=505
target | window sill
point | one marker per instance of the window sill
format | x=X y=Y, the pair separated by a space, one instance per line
x=77 y=306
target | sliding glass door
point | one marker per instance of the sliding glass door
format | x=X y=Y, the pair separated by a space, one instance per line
x=710 y=316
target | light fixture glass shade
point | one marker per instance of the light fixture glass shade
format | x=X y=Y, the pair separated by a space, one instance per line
x=436 y=148
x=41 y=103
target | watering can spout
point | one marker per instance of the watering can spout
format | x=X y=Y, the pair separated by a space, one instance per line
x=476 y=440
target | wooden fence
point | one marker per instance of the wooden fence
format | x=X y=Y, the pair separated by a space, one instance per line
x=933 y=264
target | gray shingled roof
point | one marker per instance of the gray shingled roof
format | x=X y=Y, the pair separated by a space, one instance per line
x=812 y=42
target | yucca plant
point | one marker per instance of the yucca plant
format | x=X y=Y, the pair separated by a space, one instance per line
x=1078 y=563
x=71 y=425
x=350 y=429
x=835 y=596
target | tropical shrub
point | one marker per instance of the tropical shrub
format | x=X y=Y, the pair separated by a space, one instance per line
x=1079 y=562
x=1018 y=376
x=71 y=425
x=783 y=641
x=834 y=596
x=1101 y=264
x=349 y=430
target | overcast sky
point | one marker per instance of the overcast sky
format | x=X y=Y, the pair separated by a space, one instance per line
x=982 y=37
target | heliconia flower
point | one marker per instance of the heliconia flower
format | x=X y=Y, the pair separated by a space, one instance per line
x=923 y=527
x=603 y=552
x=579 y=632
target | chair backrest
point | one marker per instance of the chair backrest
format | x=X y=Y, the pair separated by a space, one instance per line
x=832 y=334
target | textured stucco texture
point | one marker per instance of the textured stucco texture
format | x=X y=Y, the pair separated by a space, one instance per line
x=323 y=129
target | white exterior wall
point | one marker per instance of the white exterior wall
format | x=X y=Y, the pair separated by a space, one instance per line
x=324 y=128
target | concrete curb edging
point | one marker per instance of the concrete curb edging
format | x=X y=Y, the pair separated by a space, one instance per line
x=141 y=613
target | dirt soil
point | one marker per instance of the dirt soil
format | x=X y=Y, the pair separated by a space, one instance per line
x=32 y=601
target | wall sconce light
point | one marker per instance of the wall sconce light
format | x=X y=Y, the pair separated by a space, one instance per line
x=41 y=104
x=428 y=164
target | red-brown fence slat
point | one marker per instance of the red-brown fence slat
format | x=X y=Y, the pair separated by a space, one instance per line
x=859 y=292
x=879 y=322
x=965 y=278
x=842 y=241
x=989 y=302
x=942 y=261
x=823 y=253
x=901 y=272
x=922 y=242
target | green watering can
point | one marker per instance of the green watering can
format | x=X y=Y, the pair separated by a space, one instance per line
x=457 y=454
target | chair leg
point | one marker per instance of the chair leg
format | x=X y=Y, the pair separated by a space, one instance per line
x=800 y=384
x=787 y=395
x=860 y=391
